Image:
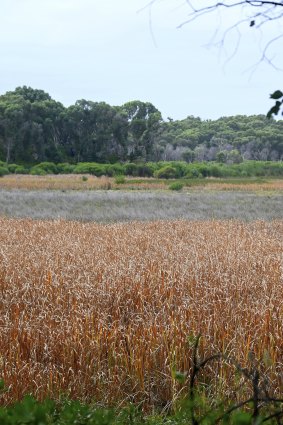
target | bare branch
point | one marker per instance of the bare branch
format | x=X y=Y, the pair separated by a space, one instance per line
x=255 y=13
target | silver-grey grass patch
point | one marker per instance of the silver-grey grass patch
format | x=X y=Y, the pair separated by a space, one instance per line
x=113 y=206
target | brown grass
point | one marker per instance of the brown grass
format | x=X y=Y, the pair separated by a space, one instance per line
x=103 y=312
x=76 y=182
x=55 y=182
x=272 y=185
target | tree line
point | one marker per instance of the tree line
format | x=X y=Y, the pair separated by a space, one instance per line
x=35 y=128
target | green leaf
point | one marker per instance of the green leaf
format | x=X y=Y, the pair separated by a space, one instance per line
x=180 y=377
x=274 y=110
x=191 y=340
x=267 y=358
x=276 y=95
x=241 y=418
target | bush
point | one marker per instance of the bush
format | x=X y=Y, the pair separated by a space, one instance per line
x=3 y=171
x=176 y=186
x=215 y=171
x=145 y=170
x=120 y=180
x=203 y=170
x=21 y=170
x=193 y=173
x=114 y=170
x=37 y=171
x=93 y=168
x=12 y=167
x=166 y=172
x=84 y=178
x=49 y=167
x=131 y=169
x=180 y=167
x=65 y=168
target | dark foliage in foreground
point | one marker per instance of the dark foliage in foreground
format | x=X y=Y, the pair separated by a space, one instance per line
x=194 y=409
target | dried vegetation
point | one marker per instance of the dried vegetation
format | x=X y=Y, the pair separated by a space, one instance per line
x=89 y=182
x=103 y=312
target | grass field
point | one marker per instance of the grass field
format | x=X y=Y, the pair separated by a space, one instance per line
x=114 y=206
x=88 y=182
x=103 y=285
x=103 y=312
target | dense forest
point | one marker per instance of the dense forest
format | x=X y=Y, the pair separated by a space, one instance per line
x=35 y=128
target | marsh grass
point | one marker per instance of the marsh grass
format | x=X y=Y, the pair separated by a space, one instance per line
x=114 y=206
x=90 y=182
x=104 y=312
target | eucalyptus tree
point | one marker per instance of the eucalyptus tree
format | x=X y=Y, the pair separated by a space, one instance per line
x=144 y=120
x=30 y=126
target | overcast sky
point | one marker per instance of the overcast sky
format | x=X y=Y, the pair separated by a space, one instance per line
x=112 y=51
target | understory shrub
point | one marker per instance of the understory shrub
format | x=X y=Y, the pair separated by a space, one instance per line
x=114 y=170
x=3 y=171
x=44 y=168
x=131 y=169
x=12 y=167
x=93 y=168
x=176 y=186
x=37 y=171
x=166 y=172
x=20 y=169
x=120 y=180
x=145 y=169
x=65 y=168
x=161 y=169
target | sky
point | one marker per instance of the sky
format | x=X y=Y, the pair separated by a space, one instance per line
x=121 y=50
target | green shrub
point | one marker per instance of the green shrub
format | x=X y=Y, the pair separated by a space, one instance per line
x=120 y=180
x=32 y=412
x=49 y=167
x=180 y=167
x=21 y=170
x=3 y=171
x=203 y=170
x=65 y=168
x=37 y=171
x=145 y=170
x=12 y=167
x=193 y=173
x=215 y=171
x=176 y=186
x=84 y=178
x=93 y=168
x=166 y=172
x=114 y=170
x=131 y=169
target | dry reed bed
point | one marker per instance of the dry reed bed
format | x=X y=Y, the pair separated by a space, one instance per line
x=104 y=311
x=55 y=182
x=272 y=185
x=76 y=182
